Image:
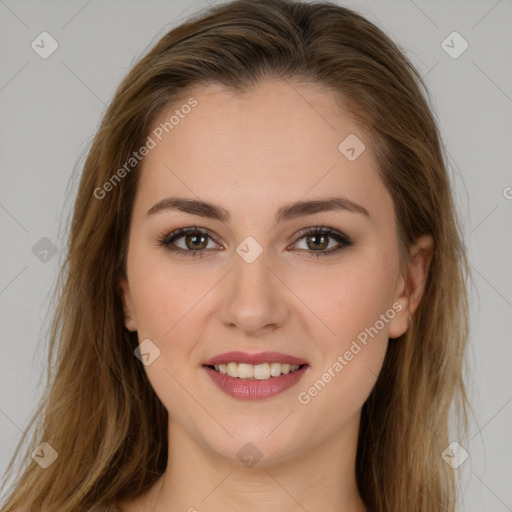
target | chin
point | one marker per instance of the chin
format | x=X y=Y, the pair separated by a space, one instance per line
x=249 y=446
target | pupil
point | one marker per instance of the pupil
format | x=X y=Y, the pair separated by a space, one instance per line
x=193 y=245
x=314 y=237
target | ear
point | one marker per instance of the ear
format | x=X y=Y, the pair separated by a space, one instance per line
x=124 y=292
x=411 y=284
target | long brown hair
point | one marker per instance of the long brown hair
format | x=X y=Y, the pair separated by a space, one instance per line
x=100 y=412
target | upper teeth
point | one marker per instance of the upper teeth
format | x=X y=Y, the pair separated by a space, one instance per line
x=256 y=371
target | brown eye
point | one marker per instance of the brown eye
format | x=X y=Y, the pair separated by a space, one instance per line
x=189 y=242
x=196 y=241
x=317 y=241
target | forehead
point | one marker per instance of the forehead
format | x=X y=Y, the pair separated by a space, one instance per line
x=280 y=138
x=277 y=119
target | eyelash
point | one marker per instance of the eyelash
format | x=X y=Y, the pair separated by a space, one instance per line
x=341 y=238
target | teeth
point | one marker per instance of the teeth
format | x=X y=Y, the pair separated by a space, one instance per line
x=245 y=371
x=259 y=371
x=262 y=371
x=277 y=368
x=233 y=369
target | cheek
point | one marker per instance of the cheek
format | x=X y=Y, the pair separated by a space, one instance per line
x=351 y=297
x=165 y=307
x=365 y=305
x=162 y=296
x=169 y=304
x=357 y=309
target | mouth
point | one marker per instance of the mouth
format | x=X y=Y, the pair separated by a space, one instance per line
x=255 y=376
x=255 y=371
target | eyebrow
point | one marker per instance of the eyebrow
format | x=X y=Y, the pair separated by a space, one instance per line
x=288 y=212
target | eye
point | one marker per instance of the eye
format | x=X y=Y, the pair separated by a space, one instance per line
x=319 y=239
x=194 y=241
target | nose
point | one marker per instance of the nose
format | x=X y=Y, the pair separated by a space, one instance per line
x=254 y=298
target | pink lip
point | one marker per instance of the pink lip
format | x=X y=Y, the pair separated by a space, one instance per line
x=260 y=358
x=246 y=389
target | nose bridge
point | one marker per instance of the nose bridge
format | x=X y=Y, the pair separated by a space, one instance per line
x=252 y=300
x=250 y=273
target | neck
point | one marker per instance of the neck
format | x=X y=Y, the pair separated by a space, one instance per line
x=321 y=478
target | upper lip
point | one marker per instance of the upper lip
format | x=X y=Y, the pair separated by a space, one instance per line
x=259 y=358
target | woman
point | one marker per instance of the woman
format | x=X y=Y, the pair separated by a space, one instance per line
x=263 y=304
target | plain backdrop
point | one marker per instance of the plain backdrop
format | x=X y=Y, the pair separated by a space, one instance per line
x=51 y=107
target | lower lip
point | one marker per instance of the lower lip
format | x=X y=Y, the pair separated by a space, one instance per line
x=245 y=389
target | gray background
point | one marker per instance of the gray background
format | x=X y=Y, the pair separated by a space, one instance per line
x=50 y=109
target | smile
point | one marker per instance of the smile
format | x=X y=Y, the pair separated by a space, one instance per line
x=255 y=376
x=255 y=371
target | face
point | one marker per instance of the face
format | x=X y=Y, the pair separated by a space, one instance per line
x=317 y=285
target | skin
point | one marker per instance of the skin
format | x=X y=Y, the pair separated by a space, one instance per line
x=253 y=153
